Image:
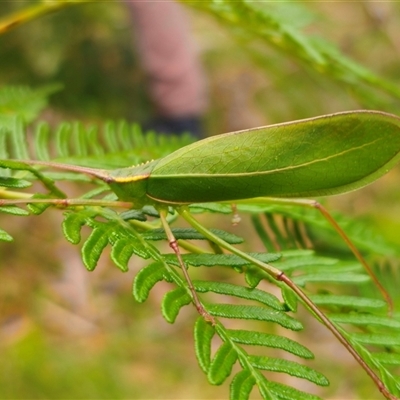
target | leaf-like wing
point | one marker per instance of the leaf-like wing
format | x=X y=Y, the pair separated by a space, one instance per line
x=319 y=156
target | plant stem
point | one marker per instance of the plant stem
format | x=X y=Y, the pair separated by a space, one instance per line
x=316 y=205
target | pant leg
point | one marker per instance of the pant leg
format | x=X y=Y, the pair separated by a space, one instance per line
x=169 y=58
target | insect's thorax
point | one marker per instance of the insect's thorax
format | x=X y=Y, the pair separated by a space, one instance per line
x=130 y=184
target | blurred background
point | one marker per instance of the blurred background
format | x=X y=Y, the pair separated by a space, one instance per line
x=65 y=333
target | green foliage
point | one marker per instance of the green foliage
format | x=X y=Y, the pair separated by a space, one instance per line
x=246 y=354
x=259 y=27
x=249 y=342
x=24 y=102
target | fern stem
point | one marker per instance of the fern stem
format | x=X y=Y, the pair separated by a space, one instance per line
x=280 y=276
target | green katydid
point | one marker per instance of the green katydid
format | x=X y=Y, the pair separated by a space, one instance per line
x=319 y=156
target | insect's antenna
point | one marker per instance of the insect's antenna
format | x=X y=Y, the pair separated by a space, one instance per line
x=173 y=243
x=102 y=174
x=356 y=252
x=280 y=276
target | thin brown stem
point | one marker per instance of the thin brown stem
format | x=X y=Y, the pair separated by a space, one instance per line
x=68 y=202
x=174 y=246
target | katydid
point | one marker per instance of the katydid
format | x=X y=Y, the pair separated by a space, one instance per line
x=320 y=156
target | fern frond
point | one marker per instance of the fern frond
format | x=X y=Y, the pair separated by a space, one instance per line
x=267 y=309
x=360 y=233
x=24 y=102
x=75 y=143
x=253 y=22
x=115 y=232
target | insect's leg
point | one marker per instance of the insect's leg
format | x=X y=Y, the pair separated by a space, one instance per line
x=280 y=276
x=174 y=246
x=318 y=206
x=67 y=202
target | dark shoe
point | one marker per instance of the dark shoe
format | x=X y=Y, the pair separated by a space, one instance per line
x=176 y=126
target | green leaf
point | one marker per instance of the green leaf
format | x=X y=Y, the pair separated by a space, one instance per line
x=172 y=303
x=365 y=319
x=242 y=385
x=133 y=214
x=13 y=210
x=222 y=364
x=351 y=302
x=299 y=261
x=377 y=339
x=93 y=247
x=42 y=133
x=344 y=278
x=38 y=208
x=14 y=183
x=212 y=260
x=203 y=334
x=239 y=291
x=269 y=340
x=254 y=276
x=5 y=237
x=289 y=298
x=146 y=278
x=255 y=313
x=18 y=139
x=387 y=358
x=72 y=226
x=23 y=101
x=211 y=207
x=191 y=234
x=289 y=367
x=121 y=253
x=284 y=392
x=264 y=386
